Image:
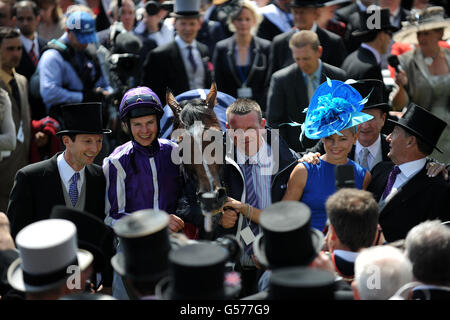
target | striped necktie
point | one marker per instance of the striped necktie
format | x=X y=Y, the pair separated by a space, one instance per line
x=252 y=200
x=33 y=56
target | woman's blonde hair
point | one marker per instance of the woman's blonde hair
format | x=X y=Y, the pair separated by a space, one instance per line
x=235 y=14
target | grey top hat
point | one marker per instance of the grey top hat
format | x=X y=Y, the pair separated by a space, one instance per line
x=186 y=9
x=47 y=249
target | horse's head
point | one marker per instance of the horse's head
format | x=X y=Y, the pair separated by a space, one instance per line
x=203 y=137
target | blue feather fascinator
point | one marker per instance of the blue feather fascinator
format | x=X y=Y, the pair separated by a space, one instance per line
x=335 y=106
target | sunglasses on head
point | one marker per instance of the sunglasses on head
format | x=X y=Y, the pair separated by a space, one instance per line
x=141 y=98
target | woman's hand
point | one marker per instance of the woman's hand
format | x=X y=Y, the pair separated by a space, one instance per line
x=401 y=79
x=311 y=158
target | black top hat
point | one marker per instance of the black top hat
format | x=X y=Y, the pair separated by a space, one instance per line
x=92 y=234
x=197 y=271
x=368 y=22
x=145 y=246
x=301 y=283
x=306 y=3
x=82 y=118
x=287 y=238
x=422 y=124
x=375 y=88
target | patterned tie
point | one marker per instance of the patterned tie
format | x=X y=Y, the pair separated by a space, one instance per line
x=251 y=200
x=392 y=176
x=73 y=189
x=33 y=56
x=364 y=157
x=311 y=85
x=191 y=59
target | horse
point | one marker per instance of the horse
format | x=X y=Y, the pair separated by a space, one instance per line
x=199 y=124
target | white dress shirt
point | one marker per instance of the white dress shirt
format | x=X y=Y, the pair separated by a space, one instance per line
x=196 y=79
x=408 y=170
x=66 y=172
x=374 y=152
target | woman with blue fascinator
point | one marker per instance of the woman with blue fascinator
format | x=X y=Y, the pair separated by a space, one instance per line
x=333 y=115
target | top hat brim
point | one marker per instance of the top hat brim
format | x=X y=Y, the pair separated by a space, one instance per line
x=385 y=107
x=414 y=132
x=15 y=273
x=260 y=251
x=181 y=15
x=118 y=264
x=408 y=34
x=164 y=291
x=67 y=132
x=363 y=33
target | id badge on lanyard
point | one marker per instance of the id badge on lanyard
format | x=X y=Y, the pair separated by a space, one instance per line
x=20 y=135
x=244 y=92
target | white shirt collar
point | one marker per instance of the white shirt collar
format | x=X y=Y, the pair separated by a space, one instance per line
x=373 y=148
x=65 y=170
x=258 y=158
x=27 y=43
x=346 y=255
x=411 y=168
x=182 y=44
x=361 y=6
x=374 y=51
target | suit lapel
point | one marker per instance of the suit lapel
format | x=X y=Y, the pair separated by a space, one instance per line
x=54 y=179
x=409 y=190
x=230 y=61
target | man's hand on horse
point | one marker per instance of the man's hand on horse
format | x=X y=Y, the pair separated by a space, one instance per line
x=175 y=223
x=310 y=157
x=235 y=205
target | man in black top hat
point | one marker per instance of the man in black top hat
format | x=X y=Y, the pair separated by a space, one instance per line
x=407 y=195
x=69 y=178
x=375 y=32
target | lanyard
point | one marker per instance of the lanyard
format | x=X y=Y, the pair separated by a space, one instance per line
x=243 y=70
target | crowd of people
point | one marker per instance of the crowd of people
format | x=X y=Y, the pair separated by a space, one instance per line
x=225 y=149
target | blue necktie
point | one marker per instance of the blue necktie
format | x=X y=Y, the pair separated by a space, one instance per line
x=73 y=189
x=252 y=200
x=191 y=59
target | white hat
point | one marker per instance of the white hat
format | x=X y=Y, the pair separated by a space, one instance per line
x=47 y=248
x=427 y=19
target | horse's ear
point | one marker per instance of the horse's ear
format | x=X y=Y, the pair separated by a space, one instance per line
x=211 y=98
x=173 y=103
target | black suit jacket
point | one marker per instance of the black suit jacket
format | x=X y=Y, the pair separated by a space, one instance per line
x=26 y=66
x=318 y=147
x=164 y=68
x=288 y=97
x=334 y=51
x=227 y=75
x=343 y=14
x=421 y=198
x=38 y=188
x=362 y=64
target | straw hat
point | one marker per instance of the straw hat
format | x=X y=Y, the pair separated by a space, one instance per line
x=428 y=19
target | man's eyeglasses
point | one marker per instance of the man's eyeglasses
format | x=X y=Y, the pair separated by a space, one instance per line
x=141 y=98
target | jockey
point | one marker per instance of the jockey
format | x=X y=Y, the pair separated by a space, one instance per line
x=140 y=174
